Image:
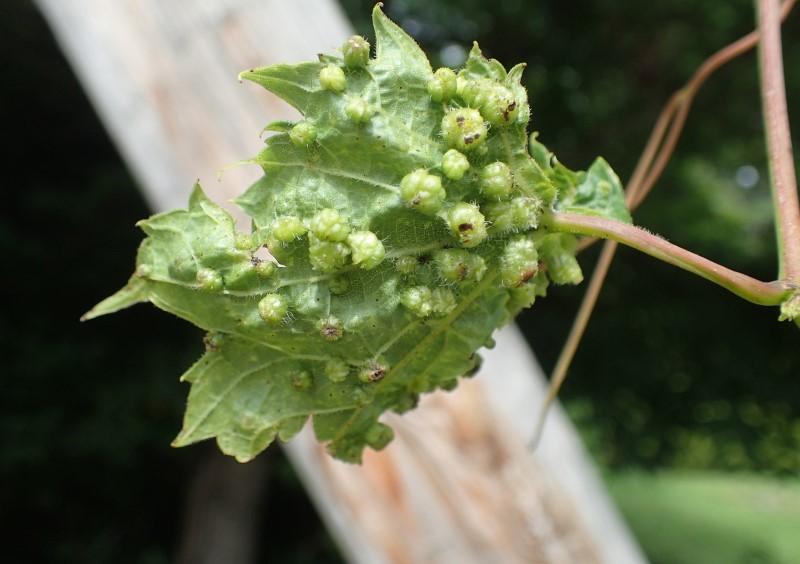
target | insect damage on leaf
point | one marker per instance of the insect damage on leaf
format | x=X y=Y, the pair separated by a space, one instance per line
x=402 y=211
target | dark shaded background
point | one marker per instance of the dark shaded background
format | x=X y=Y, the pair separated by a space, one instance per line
x=673 y=373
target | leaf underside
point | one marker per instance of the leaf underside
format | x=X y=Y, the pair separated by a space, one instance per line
x=260 y=380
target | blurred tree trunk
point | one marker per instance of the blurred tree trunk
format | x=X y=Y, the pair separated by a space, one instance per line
x=222 y=510
x=458 y=484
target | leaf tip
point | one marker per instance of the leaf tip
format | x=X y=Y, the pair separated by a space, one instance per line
x=134 y=292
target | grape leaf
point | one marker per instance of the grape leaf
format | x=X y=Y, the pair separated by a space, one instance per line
x=390 y=274
x=597 y=191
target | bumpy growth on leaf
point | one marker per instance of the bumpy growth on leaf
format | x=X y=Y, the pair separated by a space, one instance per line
x=423 y=191
x=355 y=51
x=443 y=86
x=403 y=213
x=454 y=165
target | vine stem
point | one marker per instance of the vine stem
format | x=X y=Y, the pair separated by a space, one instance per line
x=744 y=286
x=779 y=141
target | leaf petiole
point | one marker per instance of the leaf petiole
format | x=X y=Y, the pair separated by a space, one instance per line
x=744 y=286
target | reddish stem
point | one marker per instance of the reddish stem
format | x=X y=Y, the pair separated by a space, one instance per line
x=747 y=287
x=779 y=141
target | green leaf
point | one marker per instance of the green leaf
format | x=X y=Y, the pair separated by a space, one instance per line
x=478 y=66
x=599 y=193
x=246 y=395
x=134 y=292
x=359 y=337
x=296 y=84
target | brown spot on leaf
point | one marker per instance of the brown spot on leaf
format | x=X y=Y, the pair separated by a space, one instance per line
x=375 y=372
x=331 y=332
x=508 y=110
x=527 y=275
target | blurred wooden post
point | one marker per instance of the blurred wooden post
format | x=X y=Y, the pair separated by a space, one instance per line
x=457 y=485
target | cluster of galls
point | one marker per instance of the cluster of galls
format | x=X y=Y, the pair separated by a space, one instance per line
x=355 y=53
x=471 y=108
x=331 y=242
x=332 y=245
x=478 y=105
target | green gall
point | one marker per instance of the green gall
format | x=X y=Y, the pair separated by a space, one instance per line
x=286 y=229
x=464 y=129
x=328 y=225
x=449 y=385
x=475 y=92
x=327 y=256
x=517 y=214
x=558 y=252
x=442 y=87
x=499 y=107
x=250 y=421
x=541 y=282
x=790 y=308
x=379 y=436
x=368 y=250
x=330 y=328
x=406 y=403
x=477 y=360
x=273 y=308
x=467 y=223
x=338 y=285
x=423 y=191
x=332 y=78
x=241 y=274
x=443 y=301
x=264 y=268
x=519 y=262
x=303 y=134
x=358 y=110
x=336 y=370
x=522 y=296
x=209 y=279
x=459 y=265
x=406 y=265
x=356 y=52
x=373 y=372
x=525 y=295
x=245 y=242
x=418 y=299
x=454 y=164
x=362 y=396
x=143 y=270
x=212 y=341
x=302 y=380
x=496 y=181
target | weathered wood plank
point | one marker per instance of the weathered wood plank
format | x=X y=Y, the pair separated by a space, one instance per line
x=457 y=485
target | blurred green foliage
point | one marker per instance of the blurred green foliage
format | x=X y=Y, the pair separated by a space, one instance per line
x=673 y=372
x=711 y=518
